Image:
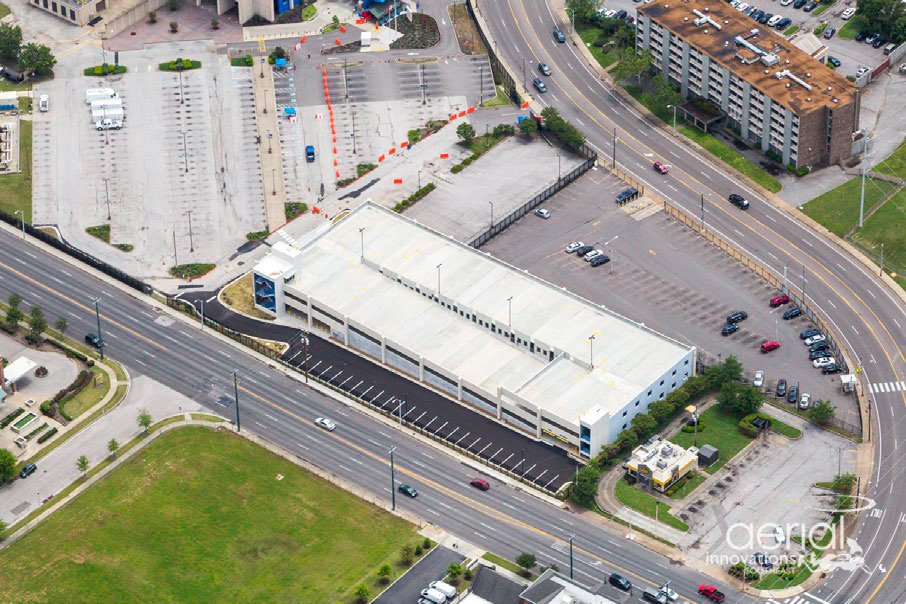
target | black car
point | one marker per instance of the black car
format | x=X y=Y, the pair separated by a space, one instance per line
x=599 y=260
x=764 y=18
x=757 y=14
x=736 y=317
x=405 y=489
x=793 y=395
x=558 y=35
x=860 y=37
x=834 y=61
x=831 y=369
x=621 y=15
x=879 y=42
x=92 y=340
x=620 y=582
x=781 y=388
x=818 y=346
x=543 y=68
x=738 y=200
x=819 y=354
x=829 y=33
x=792 y=314
x=807 y=333
x=761 y=559
x=28 y=470
x=627 y=195
x=799 y=3
x=729 y=328
x=584 y=250
x=810 y=7
x=782 y=24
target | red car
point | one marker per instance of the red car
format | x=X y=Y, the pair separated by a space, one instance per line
x=480 y=483
x=659 y=167
x=711 y=592
x=770 y=345
x=779 y=300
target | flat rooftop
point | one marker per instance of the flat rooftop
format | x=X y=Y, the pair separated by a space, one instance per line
x=627 y=356
x=715 y=27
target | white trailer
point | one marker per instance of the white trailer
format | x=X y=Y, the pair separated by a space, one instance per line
x=108 y=102
x=112 y=113
x=95 y=94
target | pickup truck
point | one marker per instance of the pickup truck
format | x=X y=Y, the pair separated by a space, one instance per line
x=711 y=592
x=108 y=124
x=310 y=153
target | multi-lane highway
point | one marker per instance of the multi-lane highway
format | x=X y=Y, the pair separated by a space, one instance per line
x=867 y=316
x=505 y=520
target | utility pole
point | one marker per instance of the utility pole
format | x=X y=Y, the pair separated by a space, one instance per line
x=175 y=253
x=191 y=238
x=571 y=556
x=784 y=279
x=353 y=133
x=202 y=314
x=703 y=210
x=862 y=194
x=523 y=72
x=97 y=314
x=273 y=181
x=107 y=193
x=264 y=102
x=881 y=272
x=236 y=396
x=558 y=170
x=392 y=482
x=21 y=221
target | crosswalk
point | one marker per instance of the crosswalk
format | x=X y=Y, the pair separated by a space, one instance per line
x=888 y=387
x=805 y=598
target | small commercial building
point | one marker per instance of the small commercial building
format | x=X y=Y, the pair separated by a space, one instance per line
x=14 y=372
x=534 y=356
x=659 y=463
x=555 y=588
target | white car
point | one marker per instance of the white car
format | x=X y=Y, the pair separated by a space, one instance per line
x=758 y=382
x=785 y=2
x=779 y=534
x=861 y=71
x=609 y=13
x=44 y=103
x=774 y=20
x=444 y=588
x=814 y=339
x=847 y=14
x=824 y=362
x=804 y=401
x=572 y=247
x=742 y=7
x=542 y=213
x=325 y=423
x=735 y=3
x=592 y=255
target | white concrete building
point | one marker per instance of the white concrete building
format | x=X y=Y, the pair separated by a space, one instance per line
x=536 y=357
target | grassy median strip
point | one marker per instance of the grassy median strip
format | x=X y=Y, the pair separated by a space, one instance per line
x=504 y=563
x=204 y=515
x=644 y=503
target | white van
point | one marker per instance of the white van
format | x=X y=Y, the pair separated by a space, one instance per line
x=444 y=588
x=432 y=595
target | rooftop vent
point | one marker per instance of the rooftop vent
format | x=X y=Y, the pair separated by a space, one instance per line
x=808 y=75
x=662 y=463
x=809 y=99
x=687 y=18
x=788 y=85
x=835 y=99
x=829 y=88
x=786 y=74
x=770 y=59
x=766 y=71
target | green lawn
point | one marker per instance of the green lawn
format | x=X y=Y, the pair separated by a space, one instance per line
x=823 y=7
x=887 y=226
x=15 y=189
x=732 y=157
x=693 y=481
x=4 y=10
x=504 y=563
x=776 y=580
x=89 y=396
x=789 y=31
x=721 y=431
x=895 y=163
x=308 y=12
x=785 y=429
x=852 y=27
x=642 y=502
x=202 y=516
x=501 y=100
x=589 y=35
x=838 y=209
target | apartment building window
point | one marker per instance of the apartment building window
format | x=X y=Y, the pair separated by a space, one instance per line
x=54 y=6
x=72 y=14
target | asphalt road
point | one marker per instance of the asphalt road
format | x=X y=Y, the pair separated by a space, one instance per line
x=505 y=519
x=865 y=313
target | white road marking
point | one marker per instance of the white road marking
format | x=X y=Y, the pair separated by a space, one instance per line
x=773 y=256
x=302 y=446
x=224 y=354
x=344 y=467
x=480 y=535
x=841 y=267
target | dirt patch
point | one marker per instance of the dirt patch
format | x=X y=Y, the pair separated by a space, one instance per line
x=420 y=32
x=239 y=296
x=466 y=33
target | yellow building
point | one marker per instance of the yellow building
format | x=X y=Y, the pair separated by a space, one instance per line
x=660 y=463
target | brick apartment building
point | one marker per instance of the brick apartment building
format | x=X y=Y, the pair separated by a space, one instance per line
x=776 y=95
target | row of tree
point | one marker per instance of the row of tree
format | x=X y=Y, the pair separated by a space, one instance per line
x=30 y=58
x=887 y=17
x=37 y=324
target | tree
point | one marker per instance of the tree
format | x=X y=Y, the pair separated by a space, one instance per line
x=844 y=482
x=144 y=419
x=526 y=561
x=37 y=59
x=383 y=574
x=174 y=5
x=83 y=464
x=633 y=66
x=730 y=370
x=62 y=325
x=821 y=412
x=664 y=93
x=7 y=465
x=583 y=9
x=215 y=23
x=643 y=424
x=528 y=127
x=626 y=440
x=36 y=324
x=113 y=446
x=888 y=17
x=3 y=528
x=152 y=17
x=174 y=27
x=466 y=132
x=406 y=557
x=566 y=132
x=13 y=314
x=740 y=398
x=662 y=410
x=361 y=594
x=10 y=41
x=586 y=486
x=454 y=570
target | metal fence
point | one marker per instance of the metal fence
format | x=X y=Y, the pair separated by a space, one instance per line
x=501 y=76
x=76 y=253
x=539 y=198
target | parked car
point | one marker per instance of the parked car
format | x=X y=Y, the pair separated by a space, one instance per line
x=872 y=38
x=558 y=35
x=712 y=593
x=761 y=559
x=810 y=7
x=833 y=61
x=879 y=43
x=793 y=395
x=539 y=85
x=860 y=37
x=408 y=491
x=444 y=588
x=325 y=423
x=757 y=14
x=758 y=380
x=833 y=368
x=737 y=316
x=780 y=392
x=627 y=195
x=783 y=23
x=861 y=71
x=819 y=354
x=792 y=313
x=848 y=13
x=574 y=246
x=765 y=18
x=748 y=12
x=584 y=250
x=620 y=582
x=807 y=333
x=818 y=347
x=742 y=7
x=480 y=483
x=824 y=362
x=779 y=534
x=774 y=20
x=739 y=201
x=660 y=167
x=729 y=328
x=542 y=213
x=43 y=103
x=599 y=260
x=543 y=68
x=779 y=300
x=28 y=470
x=769 y=345
x=829 y=33
x=805 y=400
x=818 y=337
x=785 y=2
x=799 y=3
x=93 y=340
x=434 y=596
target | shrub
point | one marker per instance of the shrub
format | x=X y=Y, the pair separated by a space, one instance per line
x=426 y=544
x=689 y=429
x=9 y=418
x=256 y=235
x=414 y=135
x=414 y=197
x=47 y=408
x=456 y=169
x=47 y=436
x=152 y=17
x=418 y=550
x=174 y=26
x=504 y=130
x=747 y=427
x=467 y=161
x=242 y=61
x=215 y=23
x=174 y=4
x=35 y=432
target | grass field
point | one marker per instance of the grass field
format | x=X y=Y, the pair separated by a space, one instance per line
x=789 y=31
x=887 y=226
x=852 y=27
x=589 y=34
x=838 y=208
x=89 y=396
x=501 y=100
x=692 y=482
x=721 y=431
x=4 y=10
x=644 y=503
x=823 y=7
x=201 y=516
x=15 y=189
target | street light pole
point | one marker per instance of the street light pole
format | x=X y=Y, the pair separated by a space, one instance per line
x=392 y=482
x=22 y=221
x=269 y=137
x=191 y=238
x=236 y=397
x=107 y=193
x=438 y=280
x=571 y=556
x=509 y=302
x=97 y=314
x=703 y=210
x=492 y=213
x=362 y=241
x=614 y=148
x=558 y=169
x=591 y=351
x=185 y=151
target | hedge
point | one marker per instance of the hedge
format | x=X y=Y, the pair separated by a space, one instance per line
x=748 y=428
x=180 y=65
x=9 y=418
x=47 y=408
x=35 y=432
x=256 y=235
x=71 y=352
x=414 y=197
x=105 y=69
x=242 y=62
x=692 y=430
x=47 y=435
x=456 y=169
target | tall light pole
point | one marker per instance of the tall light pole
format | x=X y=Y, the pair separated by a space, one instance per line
x=591 y=350
x=362 y=242
x=269 y=137
x=674 y=118
x=392 y=482
x=558 y=169
x=862 y=194
x=571 y=556
x=702 y=195
x=107 y=193
x=191 y=237
x=614 y=147
x=97 y=314
x=22 y=221
x=419 y=180
x=509 y=322
x=438 y=279
x=185 y=151
x=236 y=396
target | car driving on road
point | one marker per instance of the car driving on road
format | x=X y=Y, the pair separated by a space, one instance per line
x=325 y=423
x=539 y=85
x=543 y=68
x=408 y=491
x=739 y=201
x=558 y=35
x=480 y=483
x=660 y=167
